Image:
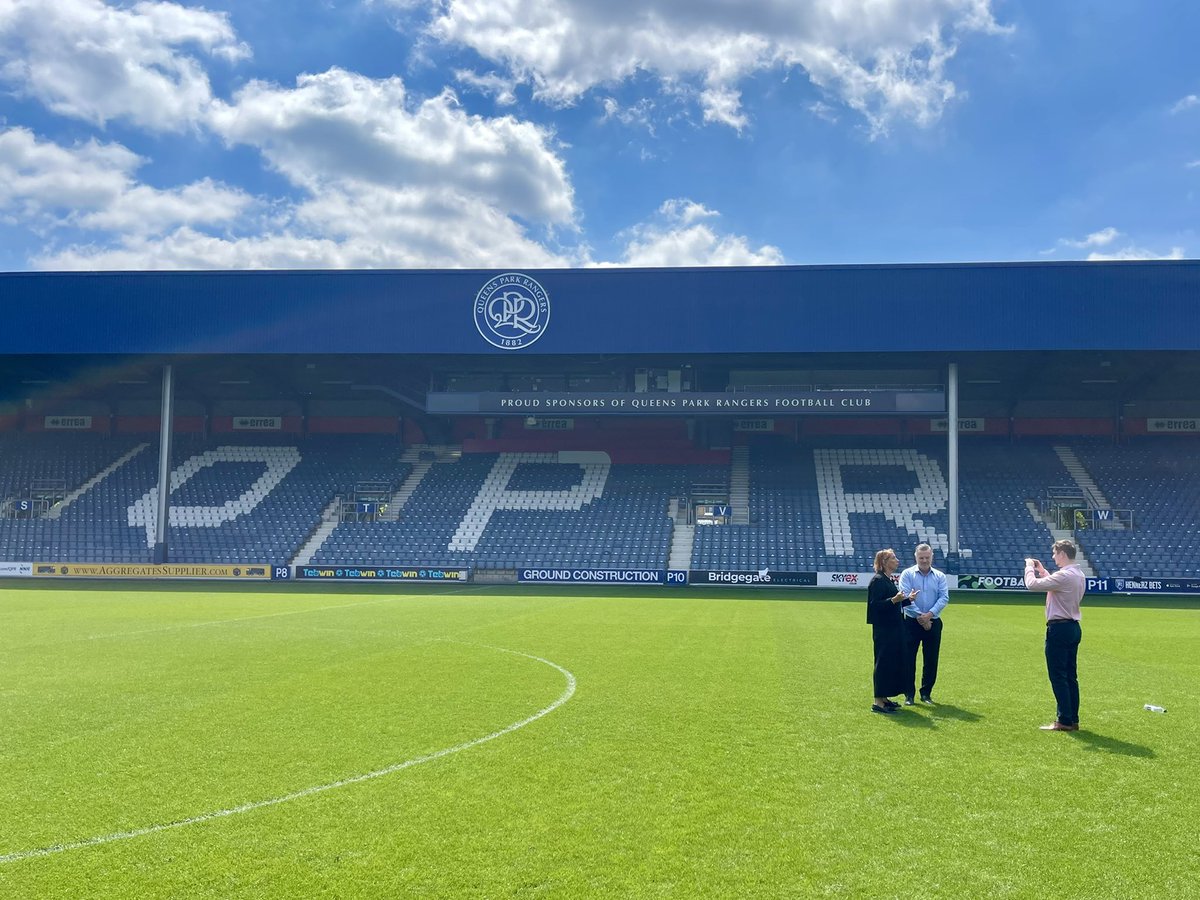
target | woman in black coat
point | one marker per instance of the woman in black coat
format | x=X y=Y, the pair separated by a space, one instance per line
x=884 y=602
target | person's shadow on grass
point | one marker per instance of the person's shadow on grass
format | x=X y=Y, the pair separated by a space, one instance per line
x=947 y=711
x=914 y=717
x=1098 y=743
x=909 y=718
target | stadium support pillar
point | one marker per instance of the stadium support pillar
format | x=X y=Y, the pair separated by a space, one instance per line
x=164 y=464
x=952 y=457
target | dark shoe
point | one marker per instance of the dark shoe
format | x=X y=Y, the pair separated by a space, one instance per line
x=891 y=704
x=1059 y=726
x=908 y=700
x=887 y=711
x=925 y=698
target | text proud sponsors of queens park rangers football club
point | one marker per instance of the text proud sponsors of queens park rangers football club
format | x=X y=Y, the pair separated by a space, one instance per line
x=512 y=311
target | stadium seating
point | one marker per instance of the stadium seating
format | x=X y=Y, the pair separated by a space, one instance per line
x=823 y=507
x=602 y=516
x=254 y=501
x=996 y=481
x=830 y=508
x=1158 y=481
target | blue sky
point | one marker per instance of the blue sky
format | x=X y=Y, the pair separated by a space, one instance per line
x=541 y=133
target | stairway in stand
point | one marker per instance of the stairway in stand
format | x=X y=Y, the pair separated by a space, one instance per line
x=739 y=486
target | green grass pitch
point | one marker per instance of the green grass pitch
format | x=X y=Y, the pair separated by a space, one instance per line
x=207 y=741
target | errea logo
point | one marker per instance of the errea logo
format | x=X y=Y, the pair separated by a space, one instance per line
x=512 y=311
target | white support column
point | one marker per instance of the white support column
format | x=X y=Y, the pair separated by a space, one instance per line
x=952 y=454
x=164 y=463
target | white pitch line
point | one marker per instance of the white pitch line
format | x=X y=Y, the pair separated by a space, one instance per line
x=308 y=792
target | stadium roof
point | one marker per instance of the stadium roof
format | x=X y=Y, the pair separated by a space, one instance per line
x=951 y=308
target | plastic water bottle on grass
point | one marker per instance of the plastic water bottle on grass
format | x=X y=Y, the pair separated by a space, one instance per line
x=1150 y=707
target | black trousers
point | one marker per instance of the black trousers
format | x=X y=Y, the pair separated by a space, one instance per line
x=930 y=643
x=1062 y=653
x=888 y=675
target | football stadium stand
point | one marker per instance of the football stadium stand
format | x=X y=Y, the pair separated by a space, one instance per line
x=831 y=508
x=514 y=510
x=253 y=501
x=718 y=420
x=823 y=507
x=1158 y=483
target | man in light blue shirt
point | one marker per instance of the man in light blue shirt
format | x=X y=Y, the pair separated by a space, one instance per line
x=923 y=621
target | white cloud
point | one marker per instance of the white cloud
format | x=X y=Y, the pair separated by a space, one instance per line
x=373 y=228
x=141 y=209
x=361 y=226
x=379 y=181
x=95 y=62
x=1132 y=252
x=723 y=105
x=502 y=90
x=92 y=186
x=681 y=237
x=1187 y=102
x=338 y=128
x=640 y=114
x=186 y=248
x=1101 y=238
x=823 y=111
x=886 y=60
x=312 y=239
x=41 y=179
x=1106 y=237
x=422 y=226
x=1194 y=164
x=682 y=211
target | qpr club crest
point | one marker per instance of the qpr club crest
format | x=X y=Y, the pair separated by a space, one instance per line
x=512 y=311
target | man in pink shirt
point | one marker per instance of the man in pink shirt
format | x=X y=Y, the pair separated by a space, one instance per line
x=1064 y=589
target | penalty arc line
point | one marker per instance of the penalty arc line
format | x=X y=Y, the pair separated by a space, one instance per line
x=317 y=789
